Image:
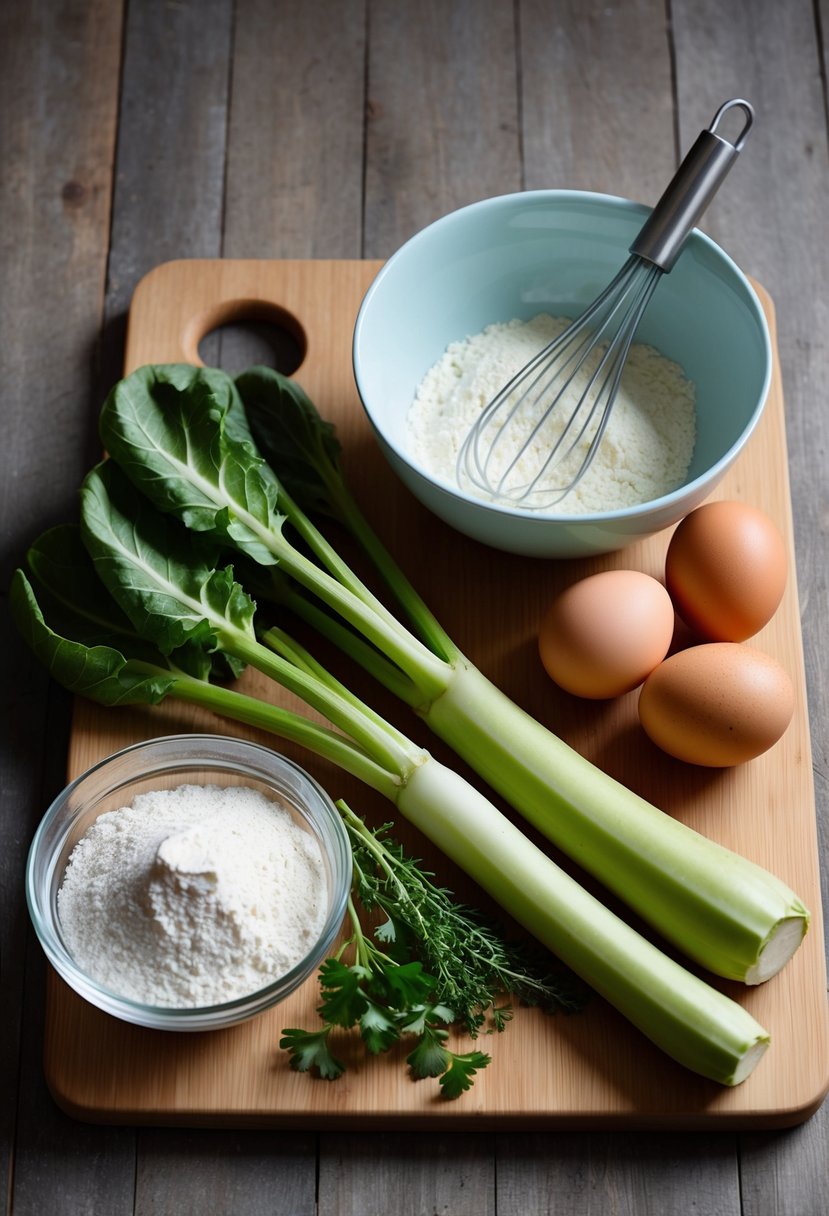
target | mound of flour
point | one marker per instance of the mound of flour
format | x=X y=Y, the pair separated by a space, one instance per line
x=193 y=896
x=645 y=452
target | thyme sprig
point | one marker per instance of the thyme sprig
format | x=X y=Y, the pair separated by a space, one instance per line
x=432 y=962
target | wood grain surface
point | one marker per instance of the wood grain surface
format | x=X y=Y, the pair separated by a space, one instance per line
x=592 y=1068
x=133 y=133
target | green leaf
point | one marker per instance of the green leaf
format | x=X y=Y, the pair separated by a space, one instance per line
x=77 y=606
x=62 y=566
x=377 y=1028
x=429 y=1057
x=407 y=984
x=181 y=437
x=472 y=964
x=462 y=1068
x=293 y=437
x=386 y=931
x=101 y=673
x=345 y=1001
x=309 y=1049
x=418 y=1017
x=304 y=452
x=414 y=1020
x=160 y=575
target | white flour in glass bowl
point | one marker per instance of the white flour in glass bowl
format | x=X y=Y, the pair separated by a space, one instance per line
x=193 y=896
x=645 y=452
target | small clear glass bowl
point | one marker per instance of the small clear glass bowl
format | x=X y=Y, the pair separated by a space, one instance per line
x=197 y=759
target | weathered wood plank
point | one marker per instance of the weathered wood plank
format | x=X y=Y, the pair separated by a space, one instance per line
x=597 y=103
x=785 y=1174
x=58 y=102
x=598 y=114
x=295 y=142
x=442 y=131
x=169 y=186
x=771 y=216
x=294 y=181
x=192 y=1173
x=442 y=113
x=410 y=1175
x=617 y=1175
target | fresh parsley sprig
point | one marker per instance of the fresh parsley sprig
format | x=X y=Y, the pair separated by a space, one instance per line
x=385 y=1000
x=474 y=965
x=431 y=963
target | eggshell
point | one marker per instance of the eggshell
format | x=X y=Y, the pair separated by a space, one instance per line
x=717 y=704
x=725 y=570
x=603 y=635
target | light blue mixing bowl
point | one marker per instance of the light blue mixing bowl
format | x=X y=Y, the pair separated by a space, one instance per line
x=553 y=251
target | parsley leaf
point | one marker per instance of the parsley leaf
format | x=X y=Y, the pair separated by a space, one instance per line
x=430 y=1058
x=429 y=964
x=462 y=1068
x=345 y=1002
x=407 y=984
x=377 y=1028
x=309 y=1049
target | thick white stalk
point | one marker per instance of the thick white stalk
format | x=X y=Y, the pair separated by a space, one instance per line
x=730 y=915
x=692 y=1022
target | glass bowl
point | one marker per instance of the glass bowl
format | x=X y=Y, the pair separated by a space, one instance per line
x=197 y=759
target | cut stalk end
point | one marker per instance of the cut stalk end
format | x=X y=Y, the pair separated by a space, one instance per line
x=782 y=943
x=749 y=1062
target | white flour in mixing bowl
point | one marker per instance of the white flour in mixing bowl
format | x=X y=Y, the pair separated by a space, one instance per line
x=646 y=450
x=193 y=896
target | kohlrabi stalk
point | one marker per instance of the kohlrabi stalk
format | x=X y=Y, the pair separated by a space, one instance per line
x=182 y=438
x=695 y=1024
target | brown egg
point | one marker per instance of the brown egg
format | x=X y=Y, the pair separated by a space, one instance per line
x=717 y=704
x=725 y=570
x=603 y=635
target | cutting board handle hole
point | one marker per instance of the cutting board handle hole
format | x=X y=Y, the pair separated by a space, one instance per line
x=236 y=334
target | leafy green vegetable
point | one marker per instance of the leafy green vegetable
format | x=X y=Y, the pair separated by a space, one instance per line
x=723 y=911
x=431 y=1058
x=304 y=453
x=167 y=582
x=732 y=916
x=98 y=672
x=309 y=450
x=187 y=463
x=695 y=1024
x=91 y=648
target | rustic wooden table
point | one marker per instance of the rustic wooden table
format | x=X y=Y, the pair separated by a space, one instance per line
x=135 y=133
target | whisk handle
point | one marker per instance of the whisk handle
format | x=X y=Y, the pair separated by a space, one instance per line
x=691 y=189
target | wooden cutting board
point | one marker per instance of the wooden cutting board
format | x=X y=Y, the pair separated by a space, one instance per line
x=592 y=1069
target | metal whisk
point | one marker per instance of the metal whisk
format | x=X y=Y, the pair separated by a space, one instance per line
x=524 y=448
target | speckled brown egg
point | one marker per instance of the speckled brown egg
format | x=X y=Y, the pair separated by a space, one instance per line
x=603 y=634
x=725 y=570
x=717 y=704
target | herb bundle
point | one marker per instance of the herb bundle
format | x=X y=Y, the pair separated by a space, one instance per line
x=437 y=963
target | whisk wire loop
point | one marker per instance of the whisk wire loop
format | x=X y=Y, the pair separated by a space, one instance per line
x=546 y=383
x=616 y=357
x=514 y=394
